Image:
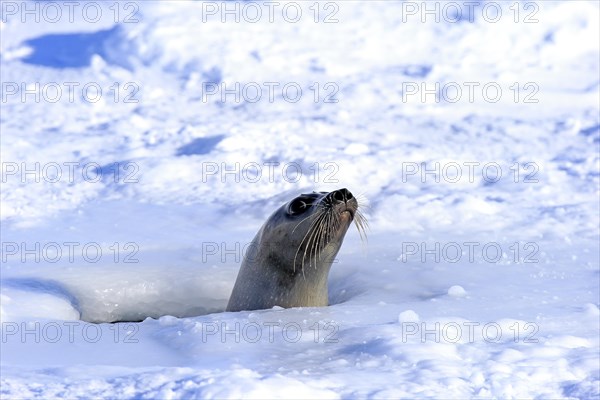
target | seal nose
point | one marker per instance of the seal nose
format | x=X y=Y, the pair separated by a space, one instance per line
x=341 y=195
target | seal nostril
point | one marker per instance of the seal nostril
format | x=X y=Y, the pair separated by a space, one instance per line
x=338 y=195
x=347 y=193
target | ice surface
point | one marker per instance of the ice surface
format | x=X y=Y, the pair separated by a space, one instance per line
x=407 y=318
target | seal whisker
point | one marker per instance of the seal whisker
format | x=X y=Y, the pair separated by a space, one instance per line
x=362 y=201
x=311 y=239
x=321 y=235
x=307 y=235
x=318 y=239
x=361 y=225
x=328 y=229
x=304 y=238
x=298 y=224
x=332 y=226
x=313 y=243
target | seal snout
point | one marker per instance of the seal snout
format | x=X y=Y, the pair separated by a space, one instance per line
x=344 y=201
x=341 y=195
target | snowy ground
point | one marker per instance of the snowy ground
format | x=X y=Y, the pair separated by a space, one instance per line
x=471 y=284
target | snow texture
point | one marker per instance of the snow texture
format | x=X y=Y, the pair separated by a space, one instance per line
x=470 y=133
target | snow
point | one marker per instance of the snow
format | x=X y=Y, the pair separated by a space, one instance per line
x=408 y=316
x=457 y=291
x=480 y=277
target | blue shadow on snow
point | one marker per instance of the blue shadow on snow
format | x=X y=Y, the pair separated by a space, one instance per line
x=67 y=50
x=200 y=146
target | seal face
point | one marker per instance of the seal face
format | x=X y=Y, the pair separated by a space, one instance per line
x=288 y=262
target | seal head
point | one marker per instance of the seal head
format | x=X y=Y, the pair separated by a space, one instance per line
x=288 y=262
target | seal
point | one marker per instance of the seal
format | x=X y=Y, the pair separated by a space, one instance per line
x=288 y=262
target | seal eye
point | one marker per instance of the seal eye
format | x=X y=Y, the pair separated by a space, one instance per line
x=298 y=206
